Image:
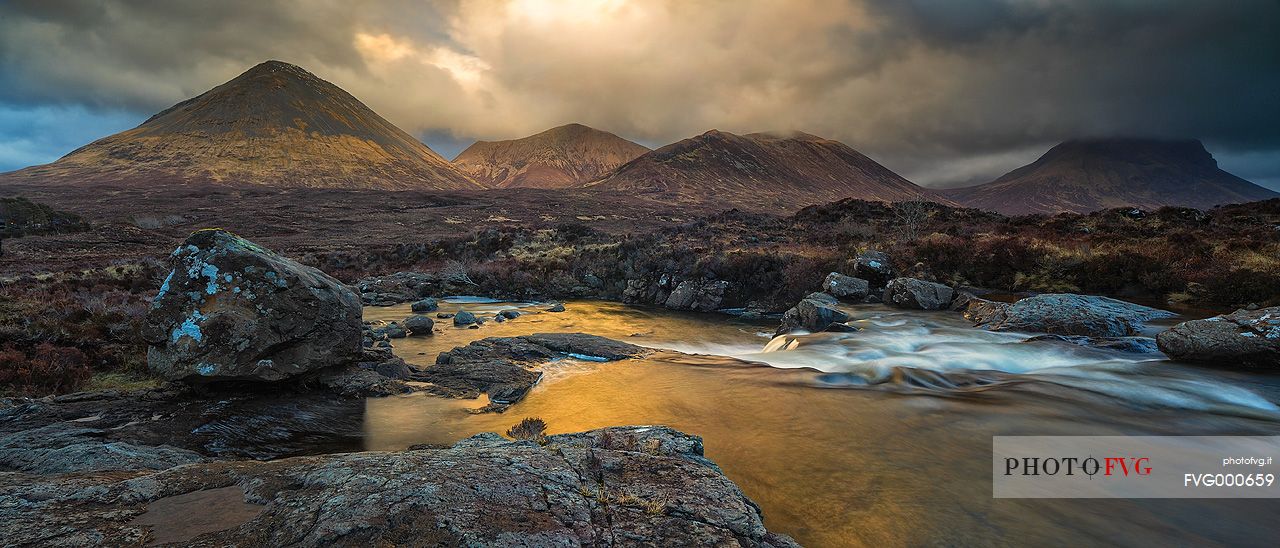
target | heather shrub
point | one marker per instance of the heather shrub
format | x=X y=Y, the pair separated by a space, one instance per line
x=46 y=368
x=529 y=429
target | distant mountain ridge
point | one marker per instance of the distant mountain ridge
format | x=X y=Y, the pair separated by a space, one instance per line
x=1089 y=175
x=760 y=171
x=277 y=125
x=561 y=157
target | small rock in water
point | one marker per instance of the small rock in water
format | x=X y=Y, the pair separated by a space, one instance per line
x=444 y=315
x=841 y=327
x=394 y=330
x=464 y=318
x=419 y=325
x=425 y=305
x=814 y=313
x=558 y=307
x=510 y=314
x=499 y=318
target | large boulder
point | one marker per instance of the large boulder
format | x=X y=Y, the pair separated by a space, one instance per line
x=1068 y=314
x=1245 y=337
x=917 y=294
x=704 y=296
x=846 y=288
x=874 y=267
x=816 y=312
x=232 y=310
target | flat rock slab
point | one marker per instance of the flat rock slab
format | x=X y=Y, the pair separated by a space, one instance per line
x=159 y=429
x=1067 y=314
x=614 y=486
x=506 y=368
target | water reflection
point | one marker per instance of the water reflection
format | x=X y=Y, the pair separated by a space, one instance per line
x=873 y=467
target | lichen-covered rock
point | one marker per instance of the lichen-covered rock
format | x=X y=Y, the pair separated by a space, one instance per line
x=917 y=294
x=232 y=310
x=846 y=288
x=816 y=312
x=703 y=296
x=1068 y=314
x=1245 y=337
x=634 y=485
x=874 y=267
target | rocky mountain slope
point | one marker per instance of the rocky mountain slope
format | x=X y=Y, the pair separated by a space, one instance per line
x=277 y=125
x=560 y=157
x=759 y=171
x=1091 y=175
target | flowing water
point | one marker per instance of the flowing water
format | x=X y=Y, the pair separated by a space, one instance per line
x=879 y=437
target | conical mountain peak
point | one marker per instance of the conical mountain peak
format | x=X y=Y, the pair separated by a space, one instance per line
x=275 y=124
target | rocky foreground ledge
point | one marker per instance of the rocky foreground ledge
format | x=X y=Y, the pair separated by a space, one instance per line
x=633 y=485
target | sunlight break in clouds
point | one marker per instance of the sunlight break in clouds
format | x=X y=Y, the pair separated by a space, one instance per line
x=381 y=49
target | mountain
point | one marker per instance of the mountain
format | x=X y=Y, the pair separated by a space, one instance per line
x=560 y=157
x=276 y=124
x=760 y=171
x=1089 y=175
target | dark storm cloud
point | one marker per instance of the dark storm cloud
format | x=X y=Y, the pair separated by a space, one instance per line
x=942 y=91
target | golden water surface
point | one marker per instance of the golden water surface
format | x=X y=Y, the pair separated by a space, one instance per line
x=838 y=466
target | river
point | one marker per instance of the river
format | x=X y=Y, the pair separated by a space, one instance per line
x=879 y=437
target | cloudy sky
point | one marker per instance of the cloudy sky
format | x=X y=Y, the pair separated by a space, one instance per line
x=942 y=91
